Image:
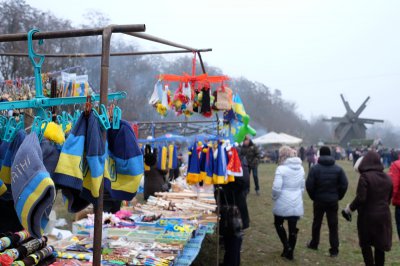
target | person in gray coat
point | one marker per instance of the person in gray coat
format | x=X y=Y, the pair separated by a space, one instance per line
x=287 y=193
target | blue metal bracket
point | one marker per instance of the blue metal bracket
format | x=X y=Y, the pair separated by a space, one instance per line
x=36 y=64
x=49 y=102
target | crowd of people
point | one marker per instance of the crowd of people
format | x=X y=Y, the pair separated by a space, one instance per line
x=326 y=184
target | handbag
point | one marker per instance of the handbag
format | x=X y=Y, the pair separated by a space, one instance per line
x=231 y=223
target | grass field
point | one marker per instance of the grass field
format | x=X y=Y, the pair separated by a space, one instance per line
x=261 y=245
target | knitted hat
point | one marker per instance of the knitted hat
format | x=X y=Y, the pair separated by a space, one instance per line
x=68 y=174
x=220 y=164
x=5 y=172
x=124 y=168
x=162 y=158
x=32 y=188
x=172 y=157
x=208 y=180
x=193 y=173
x=51 y=155
x=324 y=151
x=95 y=150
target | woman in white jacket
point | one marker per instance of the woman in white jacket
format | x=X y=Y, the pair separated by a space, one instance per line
x=287 y=193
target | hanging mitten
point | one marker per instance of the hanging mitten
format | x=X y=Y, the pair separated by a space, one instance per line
x=205 y=102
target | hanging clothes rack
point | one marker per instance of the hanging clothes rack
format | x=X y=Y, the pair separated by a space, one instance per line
x=40 y=102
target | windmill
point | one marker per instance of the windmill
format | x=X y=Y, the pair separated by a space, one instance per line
x=351 y=126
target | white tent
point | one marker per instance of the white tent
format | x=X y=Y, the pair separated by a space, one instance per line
x=275 y=138
x=291 y=139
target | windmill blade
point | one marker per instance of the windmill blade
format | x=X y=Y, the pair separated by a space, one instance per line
x=346 y=129
x=336 y=119
x=346 y=105
x=362 y=107
x=370 y=120
x=358 y=131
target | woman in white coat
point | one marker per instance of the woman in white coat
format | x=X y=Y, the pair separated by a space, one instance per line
x=287 y=193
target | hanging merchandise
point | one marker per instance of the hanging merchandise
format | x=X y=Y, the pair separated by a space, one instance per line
x=71 y=167
x=162 y=158
x=234 y=167
x=205 y=99
x=193 y=173
x=223 y=99
x=187 y=97
x=203 y=163
x=32 y=188
x=244 y=130
x=160 y=99
x=219 y=167
x=208 y=180
x=125 y=165
x=5 y=172
x=172 y=157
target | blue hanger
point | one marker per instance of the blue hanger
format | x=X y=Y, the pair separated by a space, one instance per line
x=36 y=64
x=11 y=130
x=39 y=125
x=64 y=119
x=103 y=118
x=116 y=119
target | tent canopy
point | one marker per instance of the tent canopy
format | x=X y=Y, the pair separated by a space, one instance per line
x=275 y=138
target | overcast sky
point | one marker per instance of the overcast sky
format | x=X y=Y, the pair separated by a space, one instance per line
x=310 y=50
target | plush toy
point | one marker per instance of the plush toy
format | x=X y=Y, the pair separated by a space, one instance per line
x=244 y=130
x=54 y=133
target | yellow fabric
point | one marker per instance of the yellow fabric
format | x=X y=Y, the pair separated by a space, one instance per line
x=208 y=180
x=218 y=180
x=92 y=184
x=32 y=199
x=170 y=156
x=5 y=174
x=3 y=189
x=164 y=158
x=121 y=182
x=69 y=165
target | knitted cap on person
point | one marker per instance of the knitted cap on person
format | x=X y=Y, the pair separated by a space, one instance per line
x=324 y=151
x=32 y=188
x=125 y=166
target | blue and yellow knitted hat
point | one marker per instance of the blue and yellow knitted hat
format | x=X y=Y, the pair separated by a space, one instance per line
x=5 y=172
x=68 y=174
x=125 y=166
x=95 y=158
x=32 y=188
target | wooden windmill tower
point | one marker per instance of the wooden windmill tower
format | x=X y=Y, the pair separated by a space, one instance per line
x=351 y=126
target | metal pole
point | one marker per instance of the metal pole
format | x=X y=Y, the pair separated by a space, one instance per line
x=160 y=40
x=201 y=62
x=84 y=55
x=98 y=208
x=72 y=33
x=176 y=122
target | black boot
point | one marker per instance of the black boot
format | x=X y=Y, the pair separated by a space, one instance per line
x=292 y=244
x=283 y=237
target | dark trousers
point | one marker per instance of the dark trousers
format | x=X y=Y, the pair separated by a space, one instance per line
x=397 y=217
x=232 y=246
x=288 y=241
x=370 y=260
x=255 y=176
x=9 y=221
x=331 y=210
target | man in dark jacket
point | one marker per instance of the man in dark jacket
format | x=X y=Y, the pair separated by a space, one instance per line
x=252 y=154
x=326 y=184
x=234 y=193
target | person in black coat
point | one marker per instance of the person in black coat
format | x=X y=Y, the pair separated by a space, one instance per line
x=234 y=193
x=326 y=184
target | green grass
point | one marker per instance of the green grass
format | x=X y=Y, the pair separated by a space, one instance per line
x=261 y=245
